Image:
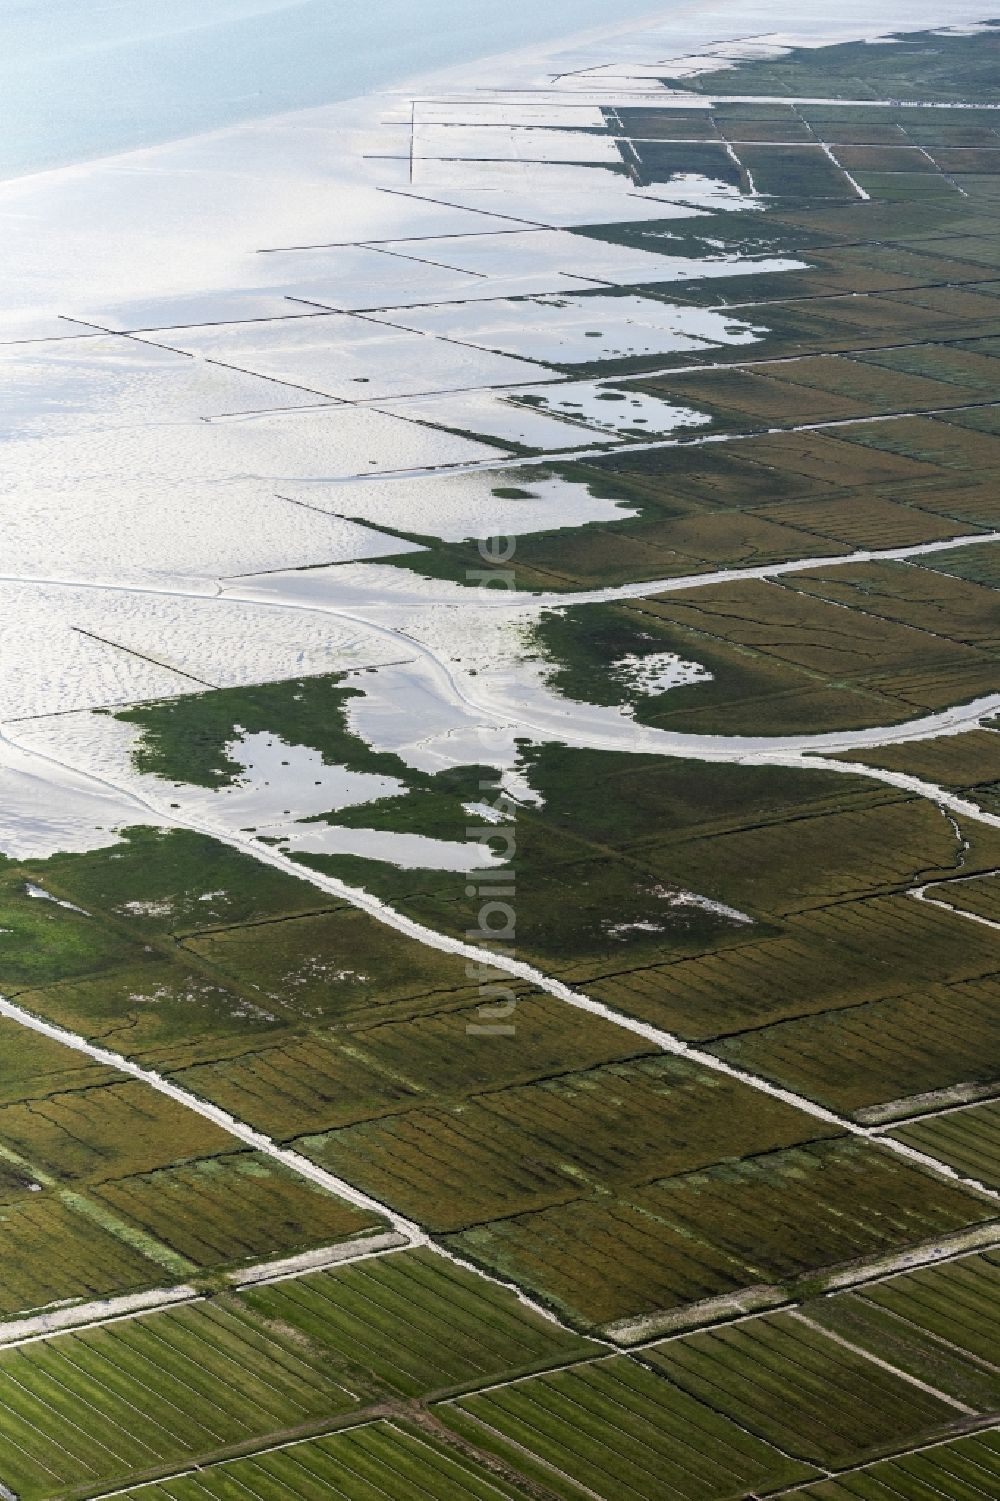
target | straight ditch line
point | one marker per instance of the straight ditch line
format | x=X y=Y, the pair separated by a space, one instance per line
x=883 y=1365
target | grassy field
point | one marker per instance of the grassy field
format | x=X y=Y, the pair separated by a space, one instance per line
x=853 y=1058
x=967 y=1140
x=56 y=1252
x=225 y=1210
x=784 y=1218
x=948 y=1367
x=109 y=1186
x=842 y=956
x=761 y=1405
x=865 y=653
x=955 y=1302
x=616 y=1430
x=963 y=1467
x=127 y=1397
x=522 y=1149
x=958 y=762
x=377 y=1460
x=329 y=1078
x=823 y=1402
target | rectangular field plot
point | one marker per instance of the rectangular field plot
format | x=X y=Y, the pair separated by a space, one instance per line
x=867 y=519
x=327 y=1079
x=842 y=324
x=93 y=1134
x=951 y=760
x=165 y=1181
x=413 y=1322
x=967 y=1140
x=883 y=1051
x=818 y=456
x=908 y=187
x=775 y=1219
x=874 y=388
x=748 y=398
x=832 y=957
x=974 y=372
x=282 y=960
x=964 y=1467
x=979 y=564
x=926 y=601
x=981 y=894
x=118 y=1399
x=229 y=1209
x=845 y=648
x=957 y=1301
x=514 y=1150
x=615 y=1430
x=980 y=419
x=664 y=124
x=32 y=1066
x=52 y=1253
x=378 y=1460
x=122 y=1398
x=926 y=438
x=756 y=123
x=659 y=161
x=163 y=1012
x=852 y=1319
x=872 y=158
x=794 y=865
x=813 y=1398
x=795 y=171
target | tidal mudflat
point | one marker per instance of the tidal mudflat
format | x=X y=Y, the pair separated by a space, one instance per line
x=499 y=782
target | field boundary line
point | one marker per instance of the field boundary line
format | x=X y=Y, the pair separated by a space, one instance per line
x=711 y=1313
x=915 y=1259
x=344 y=1253
x=214 y=1113
x=520 y=1448
x=992 y=1098
x=988 y=1425
x=883 y=1365
x=896 y=1316
x=93 y=1315
x=975 y=1093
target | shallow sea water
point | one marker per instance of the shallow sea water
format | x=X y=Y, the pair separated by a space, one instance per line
x=86 y=78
